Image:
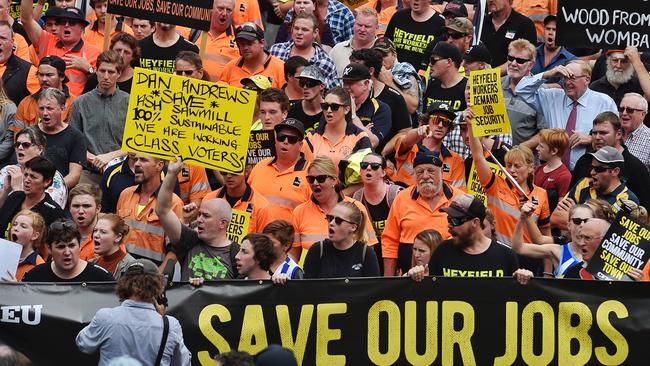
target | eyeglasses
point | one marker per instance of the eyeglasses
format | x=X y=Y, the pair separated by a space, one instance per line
x=308 y=83
x=578 y=221
x=337 y=220
x=291 y=139
x=455 y=221
x=434 y=60
x=456 y=35
x=629 y=110
x=63 y=225
x=334 y=106
x=318 y=178
x=185 y=72
x=364 y=165
x=587 y=238
x=519 y=60
x=24 y=145
x=600 y=168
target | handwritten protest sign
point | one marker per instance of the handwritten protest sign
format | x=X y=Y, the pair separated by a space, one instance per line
x=204 y=123
x=188 y=13
x=474 y=186
x=626 y=245
x=260 y=146
x=603 y=24
x=238 y=227
x=487 y=103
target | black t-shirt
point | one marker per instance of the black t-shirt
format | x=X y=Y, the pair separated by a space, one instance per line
x=92 y=273
x=516 y=26
x=65 y=147
x=411 y=38
x=426 y=56
x=154 y=57
x=335 y=263
x=47 y=208
x=400 y=117
x=310 y=122
x=91 y=84
x=454 y=96
x=450 y=261
x=378 y=214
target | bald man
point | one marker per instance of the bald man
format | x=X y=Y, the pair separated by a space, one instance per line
x=206 y=252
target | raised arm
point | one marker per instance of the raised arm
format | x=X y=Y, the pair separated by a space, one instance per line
x=168 y=219
x=29 y=23
x=526 y=249
x=482 y=167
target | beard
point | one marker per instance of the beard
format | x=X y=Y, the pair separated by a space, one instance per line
x=618 y=78
x=429 y=189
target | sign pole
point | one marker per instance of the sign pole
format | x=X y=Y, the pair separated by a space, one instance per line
x=204 y=43
x=107 y=30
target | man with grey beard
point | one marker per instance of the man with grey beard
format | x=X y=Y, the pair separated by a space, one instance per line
x=623 y=70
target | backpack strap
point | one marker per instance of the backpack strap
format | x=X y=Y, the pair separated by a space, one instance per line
x=393 y=190
x=320 y=244
x=161 y=350
x=358 y=195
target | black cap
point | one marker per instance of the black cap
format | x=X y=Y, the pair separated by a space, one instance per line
x=550 y=18
x=455 y=8
x=141 y=267
x=275 y=355
x=57 y=63
x=384 y=44
x=74 y=14
x=427 y=158
x=465 y=206
x=447 y=50
x=291 y=123
x=478 y=53
x=52 y=12
x=441 y=107
x=249 y=31
x=356 y=71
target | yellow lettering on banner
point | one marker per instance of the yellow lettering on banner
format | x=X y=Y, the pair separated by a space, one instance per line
x=205 y=326
x=488 y=104
x=253 y=331
x=298 y=344
x=451 y=336
x=324 y=334
x=431 y=330
x=511 y=331
x=394 y=334
x=206 y=124
x=239 y=225
x=580 y=333
x=602 y=319
x=545 y=311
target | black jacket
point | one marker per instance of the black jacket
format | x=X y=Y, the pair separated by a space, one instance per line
x=14 y=78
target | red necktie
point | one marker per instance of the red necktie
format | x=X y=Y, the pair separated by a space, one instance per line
x=570 y=128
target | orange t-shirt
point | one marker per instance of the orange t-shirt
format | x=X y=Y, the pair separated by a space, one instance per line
x=193 y=183
x=218 y=48
x=87 y=249
x=247 y=11
x=28 y=110
x=95 y=36
x=235 y=70
x=383 y=16
x=30 y=262
x=453 y=166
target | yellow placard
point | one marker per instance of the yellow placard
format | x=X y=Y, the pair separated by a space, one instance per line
x=204 y=123
x=474 y=186
x=488 y=105
x=239 y=225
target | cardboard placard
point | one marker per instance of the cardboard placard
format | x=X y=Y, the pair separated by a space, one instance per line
x=188 y=13
x=239 y=225
x=626 y=245
x=474 y=186
x=9 y=257
x=261 y=146
x=204 y=123
x=488 y=104
x=14 y=9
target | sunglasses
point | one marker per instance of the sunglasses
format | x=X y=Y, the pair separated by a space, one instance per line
x=308 y=83
x=456 y=35
x=63 y=225
x=292 y=139
x=334 y=106
x=437 y=119
x=434 y=60
x=629 y=110
x=578 y=221
x=67 y=22
x=519 y=60
x=455 y=221
x=184 y=72
x=24 y=145
x=600 y=168
x=318 y=178
x=364 y=165
x=337 y=220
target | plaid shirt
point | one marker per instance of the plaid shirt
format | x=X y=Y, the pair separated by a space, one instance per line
x=454 y=140
x=339 y=17
x=320 y=60
x=637 y=143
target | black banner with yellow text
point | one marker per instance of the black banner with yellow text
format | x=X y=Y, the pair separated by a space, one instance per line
x=477 y=321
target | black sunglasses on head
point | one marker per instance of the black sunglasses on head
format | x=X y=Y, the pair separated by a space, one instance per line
x=63 y=225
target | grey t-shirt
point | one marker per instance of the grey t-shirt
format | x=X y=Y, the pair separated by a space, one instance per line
x=202 y=260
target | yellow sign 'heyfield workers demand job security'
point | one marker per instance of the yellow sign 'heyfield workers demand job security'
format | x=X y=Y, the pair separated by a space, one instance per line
x=204 y=123
x=488 y=105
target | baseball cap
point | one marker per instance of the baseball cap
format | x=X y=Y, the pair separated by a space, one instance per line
x=478 y=53
x=465 y=206
x=249 y=31
x=427 y=158
x=312 y=72
x=455 y=8
x=57 y=63
x=441 y=107
x=608 y=155
x=356 y=71
x=447 y=50
x=140 y=267
x=291 y=123
x=461 y=25
x=275 y=355
x=384 y=44
x=260 y=81
x=74 y=14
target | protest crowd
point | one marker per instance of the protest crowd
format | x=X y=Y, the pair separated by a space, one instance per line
x=390 y=157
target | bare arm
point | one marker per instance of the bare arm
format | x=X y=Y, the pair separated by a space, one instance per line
x=560 y=217
x=389 y=267
x=633 y=55
x=526 y=249
x=168 y=219
x=389 y=148
x=475 y=146
x=412 y=137
x=74 y=173
x=532 y=142
x=31 y=26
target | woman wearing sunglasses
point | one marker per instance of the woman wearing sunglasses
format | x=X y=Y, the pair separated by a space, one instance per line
x=337 y=136
x=377 y=195
x=308 y=218
x=30 y=142
x=562 y=255
x=344 y=252
x=434 y=126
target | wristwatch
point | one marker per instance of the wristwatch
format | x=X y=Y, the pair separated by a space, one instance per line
x=90 y=70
